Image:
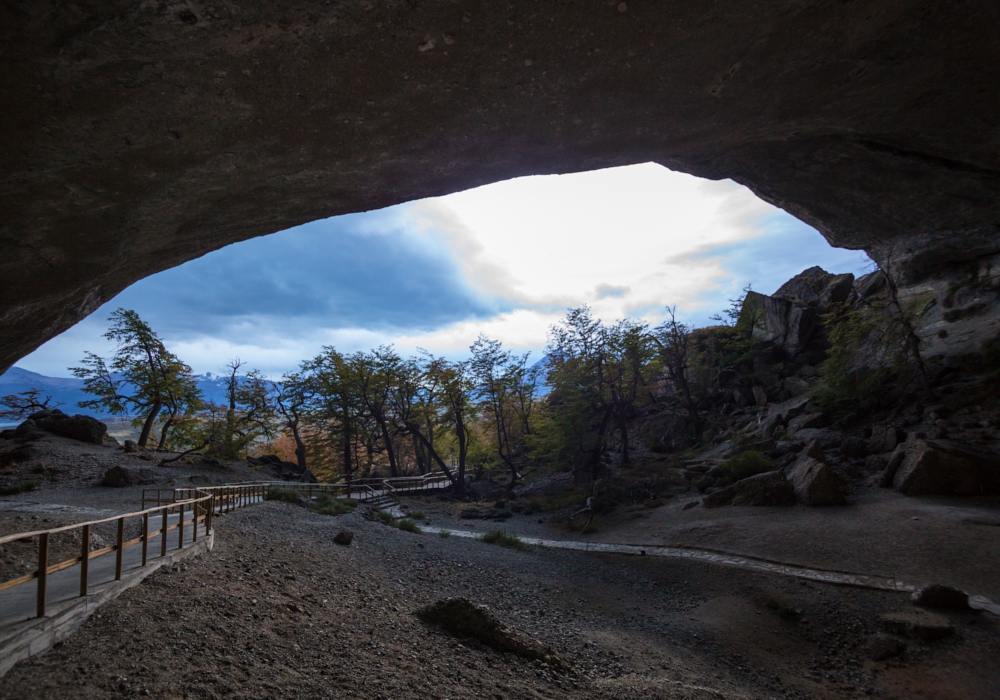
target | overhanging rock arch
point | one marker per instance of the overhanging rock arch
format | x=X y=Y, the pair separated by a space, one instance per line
x=136 y=137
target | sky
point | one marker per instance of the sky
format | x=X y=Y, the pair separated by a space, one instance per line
x=506 y=260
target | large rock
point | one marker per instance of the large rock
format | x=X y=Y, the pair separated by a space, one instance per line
x=917 y=624
x=814 y=482
x=817 y=288
x=884 y=438
x=464 y=618
x=941 y=467
x=787 y=324
x=939 y=596
x=767 y=489
x=78 y=427
x=137 y=136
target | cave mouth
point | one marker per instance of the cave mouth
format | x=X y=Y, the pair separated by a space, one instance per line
x=506 y=260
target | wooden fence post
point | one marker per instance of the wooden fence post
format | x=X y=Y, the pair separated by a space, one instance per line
x=180 y=527
x=163 y=532
x=119 y=549
x=194 y=522
x=43 y=573
x=145 y=537
x=84 y=559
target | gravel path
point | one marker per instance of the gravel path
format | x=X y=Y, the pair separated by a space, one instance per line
x=278 y=610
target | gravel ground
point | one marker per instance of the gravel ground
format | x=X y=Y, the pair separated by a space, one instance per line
x=279 y=611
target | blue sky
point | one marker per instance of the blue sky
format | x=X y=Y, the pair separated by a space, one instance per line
x=506 y=260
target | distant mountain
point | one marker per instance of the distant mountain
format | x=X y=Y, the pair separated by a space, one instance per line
x=67 y=392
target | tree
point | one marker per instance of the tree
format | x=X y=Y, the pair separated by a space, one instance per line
x=143 y=376
x=23 y=404
x=292 y=402
x=506 y=388
x=250 y=413
x=455 y=396
x=673 y=338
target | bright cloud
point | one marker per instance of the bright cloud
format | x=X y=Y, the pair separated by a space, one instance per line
x=505 y=260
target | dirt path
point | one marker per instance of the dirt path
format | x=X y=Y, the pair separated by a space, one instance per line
x=278 y=610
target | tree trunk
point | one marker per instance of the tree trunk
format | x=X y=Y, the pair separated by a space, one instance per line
x=300 y=446
x=147 y=426
x=389 y=450
x=415 y=430
x=167 y=424
x=462 y=449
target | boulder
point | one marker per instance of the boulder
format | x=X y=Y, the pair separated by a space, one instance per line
x=796 y=386
x=884 y=439
x=854 y=448
x=787 y=324
x=767 y=489
x=78 y=427
x=816 y=287
x=942 y=467
x=828 y=439
x=760 y=396
x=813 y=481
x=892 y=466
x=917 y=624
x=344 y=537
x=938 y=596
x=464 y=618
x=118 y=477
x=804 y=421
x=19 y=454
x=130 y=447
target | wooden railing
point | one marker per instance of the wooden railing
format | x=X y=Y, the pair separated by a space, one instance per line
x=202 y=504
x=199 y=505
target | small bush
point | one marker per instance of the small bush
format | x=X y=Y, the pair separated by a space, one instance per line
x=418 y=515
x=408 y=525
x=504 y=540
x=444 y=533
x=386 y=518
x=19 y=487
x=325 y=505
x=745 y=464
x=785 y=612
x=277 y=493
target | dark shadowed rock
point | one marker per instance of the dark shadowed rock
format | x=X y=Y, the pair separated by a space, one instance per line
x=21 y=453
x=882 y=647
x=78 y=427
x=884 y=438
x=816 y=287
x=942 y=467
x=938 y=596
x=814 y=482
x=130 y=446
x=854 y=448
x=464 y=618
x=119 y=477
x=344 y=537
x=767 y=489
x=917 y=624
x=471 y=514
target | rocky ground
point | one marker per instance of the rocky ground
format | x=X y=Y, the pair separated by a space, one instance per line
x=279 y=610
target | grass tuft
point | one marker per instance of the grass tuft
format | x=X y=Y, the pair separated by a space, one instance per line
x=504 y=540
x=326 y=505
x=19 y=487
x=278 y=493
x=444 y=533
x=408 y=525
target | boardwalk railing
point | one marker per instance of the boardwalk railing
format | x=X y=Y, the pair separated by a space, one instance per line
x=192 y=507
x=198 y=508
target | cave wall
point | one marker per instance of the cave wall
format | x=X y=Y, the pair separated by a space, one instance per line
x=136 y=136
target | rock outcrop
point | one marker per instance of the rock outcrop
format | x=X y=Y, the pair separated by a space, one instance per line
x=942 y=467
x=78 y=427
x=814 y=482
x=137 y=137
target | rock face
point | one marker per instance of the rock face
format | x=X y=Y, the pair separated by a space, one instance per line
x=138 y=137
x=78 y=427
x=941 y=467
x=464 y=618
x=813 y=481
x=767 y=489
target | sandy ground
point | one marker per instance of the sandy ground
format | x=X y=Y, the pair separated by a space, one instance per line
x=279 y=611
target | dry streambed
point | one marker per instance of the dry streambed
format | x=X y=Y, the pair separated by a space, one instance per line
x=279 y=610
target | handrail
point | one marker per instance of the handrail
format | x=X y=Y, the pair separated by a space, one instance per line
x=203 y=502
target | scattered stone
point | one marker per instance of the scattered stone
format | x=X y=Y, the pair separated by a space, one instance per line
x=767 y=489
x=828 y=439
x=464 y=618
x=344 y=537
x=938 y=596
x=813 y=481
x=882 y=647
x=917 y=624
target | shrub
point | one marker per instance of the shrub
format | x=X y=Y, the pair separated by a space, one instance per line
x=386 y=518
x=408 y=525
x=419 y=515
x=504 y=540
x=444 y=533
x=745 y=464
x=19 y=487
x=277 y=493
x=327 y=505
